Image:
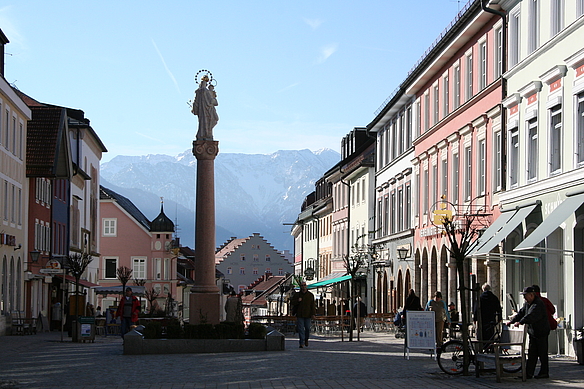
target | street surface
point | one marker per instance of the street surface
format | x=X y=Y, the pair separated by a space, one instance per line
x=42 y=361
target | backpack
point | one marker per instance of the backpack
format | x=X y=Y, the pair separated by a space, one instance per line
x=550 y=309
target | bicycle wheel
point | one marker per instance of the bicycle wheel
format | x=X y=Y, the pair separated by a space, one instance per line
x=450 y=357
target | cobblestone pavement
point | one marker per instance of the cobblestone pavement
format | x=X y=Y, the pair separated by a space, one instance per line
x=376 y=361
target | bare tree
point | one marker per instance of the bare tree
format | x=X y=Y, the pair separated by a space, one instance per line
x=356 y=263
x=151 y=295
x=462 y=228
x=76 y=264
x=124 y=275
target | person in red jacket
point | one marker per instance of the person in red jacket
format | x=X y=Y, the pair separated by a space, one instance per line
x=128 y=311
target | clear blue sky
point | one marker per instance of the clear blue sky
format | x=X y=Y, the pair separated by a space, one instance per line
x=291 y=74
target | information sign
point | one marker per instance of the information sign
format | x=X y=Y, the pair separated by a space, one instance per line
x=420 y=330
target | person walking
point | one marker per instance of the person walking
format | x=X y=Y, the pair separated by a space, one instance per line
x=439 y=306
x=412 y=303
x=128 y=311
x=304 y=306
x=534 y=315
x=234 y=309
x=360 y=311
x=491 y=312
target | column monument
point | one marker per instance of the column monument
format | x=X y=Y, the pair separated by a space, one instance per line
x=204 y=298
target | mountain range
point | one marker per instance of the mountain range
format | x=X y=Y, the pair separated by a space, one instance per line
x=259 y=193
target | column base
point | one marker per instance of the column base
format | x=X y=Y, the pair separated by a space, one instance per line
x=204 y=308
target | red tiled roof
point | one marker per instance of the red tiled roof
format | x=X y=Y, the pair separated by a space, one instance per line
x=42 y=140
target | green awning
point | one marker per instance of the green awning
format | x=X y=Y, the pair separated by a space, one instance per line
x=329 y=281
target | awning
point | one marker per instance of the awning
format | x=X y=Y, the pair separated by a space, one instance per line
x=509 y=226
x=329 y=281
x=118 y=289
x=553 y=221
x=84 y=283
x=493 y=229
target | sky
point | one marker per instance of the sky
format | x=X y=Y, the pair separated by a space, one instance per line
x=290 y=74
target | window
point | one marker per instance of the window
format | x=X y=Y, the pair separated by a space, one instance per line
x=408 y=128
x=386 y=215
x=556 y=139
x=445 y=96
x=268 y=270
x=268 y=259
x=532 y=149
x=400 y=209
x=514 y=38
x=242 y=256
x=408 y=209
x=242 y=271
x=482 y=167
x=455 y=178
x=110 y=227
x=469 y=77
x=513 y=156
x=394 y=140
x=426 y=111
x=280 y=272
x=256 y=258
x=456 y=86
x=139 y=268
x=229 y=270
x=580 y=8
x=468 y=173
x=444 y=184
x=498 y=52
x=167 y=268
x=533 y=26
x=497 y=161
x=393 y=214
x=557 y=16
x=157 y=268
x=111 y=265
x=255 y=271
x=434 y=183
x=436 y=109
x=426 y=190
x=580 y=127
x=482 y=65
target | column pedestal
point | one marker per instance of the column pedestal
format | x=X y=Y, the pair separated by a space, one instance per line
x=204 y=299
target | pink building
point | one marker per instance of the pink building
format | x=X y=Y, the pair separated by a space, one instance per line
x=129 y=239
x=458 y=94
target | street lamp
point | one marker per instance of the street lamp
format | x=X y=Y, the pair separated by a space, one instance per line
x=403 y=252
x=34 y=256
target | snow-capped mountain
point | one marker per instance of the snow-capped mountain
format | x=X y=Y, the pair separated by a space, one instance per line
x=253 y=192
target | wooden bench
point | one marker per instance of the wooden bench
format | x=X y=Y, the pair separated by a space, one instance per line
x=498 y=354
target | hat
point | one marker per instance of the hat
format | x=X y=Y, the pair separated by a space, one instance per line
x=528 y=289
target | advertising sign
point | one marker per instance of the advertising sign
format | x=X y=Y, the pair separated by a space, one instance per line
x=421 y=330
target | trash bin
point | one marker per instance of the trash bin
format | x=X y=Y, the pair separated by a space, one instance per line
x=86 y=328
x=579 y=345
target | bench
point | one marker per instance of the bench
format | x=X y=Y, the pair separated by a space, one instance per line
x=499 y=355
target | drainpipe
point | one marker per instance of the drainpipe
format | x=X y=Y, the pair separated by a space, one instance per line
x=503 y=16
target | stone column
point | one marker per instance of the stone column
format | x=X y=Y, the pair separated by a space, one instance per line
x=204 y=299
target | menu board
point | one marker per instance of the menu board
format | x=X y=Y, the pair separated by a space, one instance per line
x=421 y=330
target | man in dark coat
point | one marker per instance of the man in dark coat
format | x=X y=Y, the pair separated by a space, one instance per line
x=490 y=311
x=534 y=314
x=305 y=307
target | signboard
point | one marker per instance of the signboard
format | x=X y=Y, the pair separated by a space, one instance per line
x=420 y=330
x=85 y=330
x=51 y=271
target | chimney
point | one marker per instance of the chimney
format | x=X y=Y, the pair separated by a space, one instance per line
x=3 y=41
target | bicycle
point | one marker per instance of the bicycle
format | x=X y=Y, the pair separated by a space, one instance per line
x=451 y=355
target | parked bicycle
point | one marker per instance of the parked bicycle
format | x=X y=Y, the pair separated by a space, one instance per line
x=451 y=355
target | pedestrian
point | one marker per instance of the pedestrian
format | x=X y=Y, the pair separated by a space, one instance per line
x=234 y=309
x=453 y=312
x=128 y=311
x=305 y=308
x=549 y=306
x=412 y=303
x=491 y=312
x=534 y=315
x=439 y=306
x=360 y=310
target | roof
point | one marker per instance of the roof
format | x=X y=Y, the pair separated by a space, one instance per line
x=162 y=223
x=45 y=142
x=126 y=204
x=228 y=247
x=263 y=287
